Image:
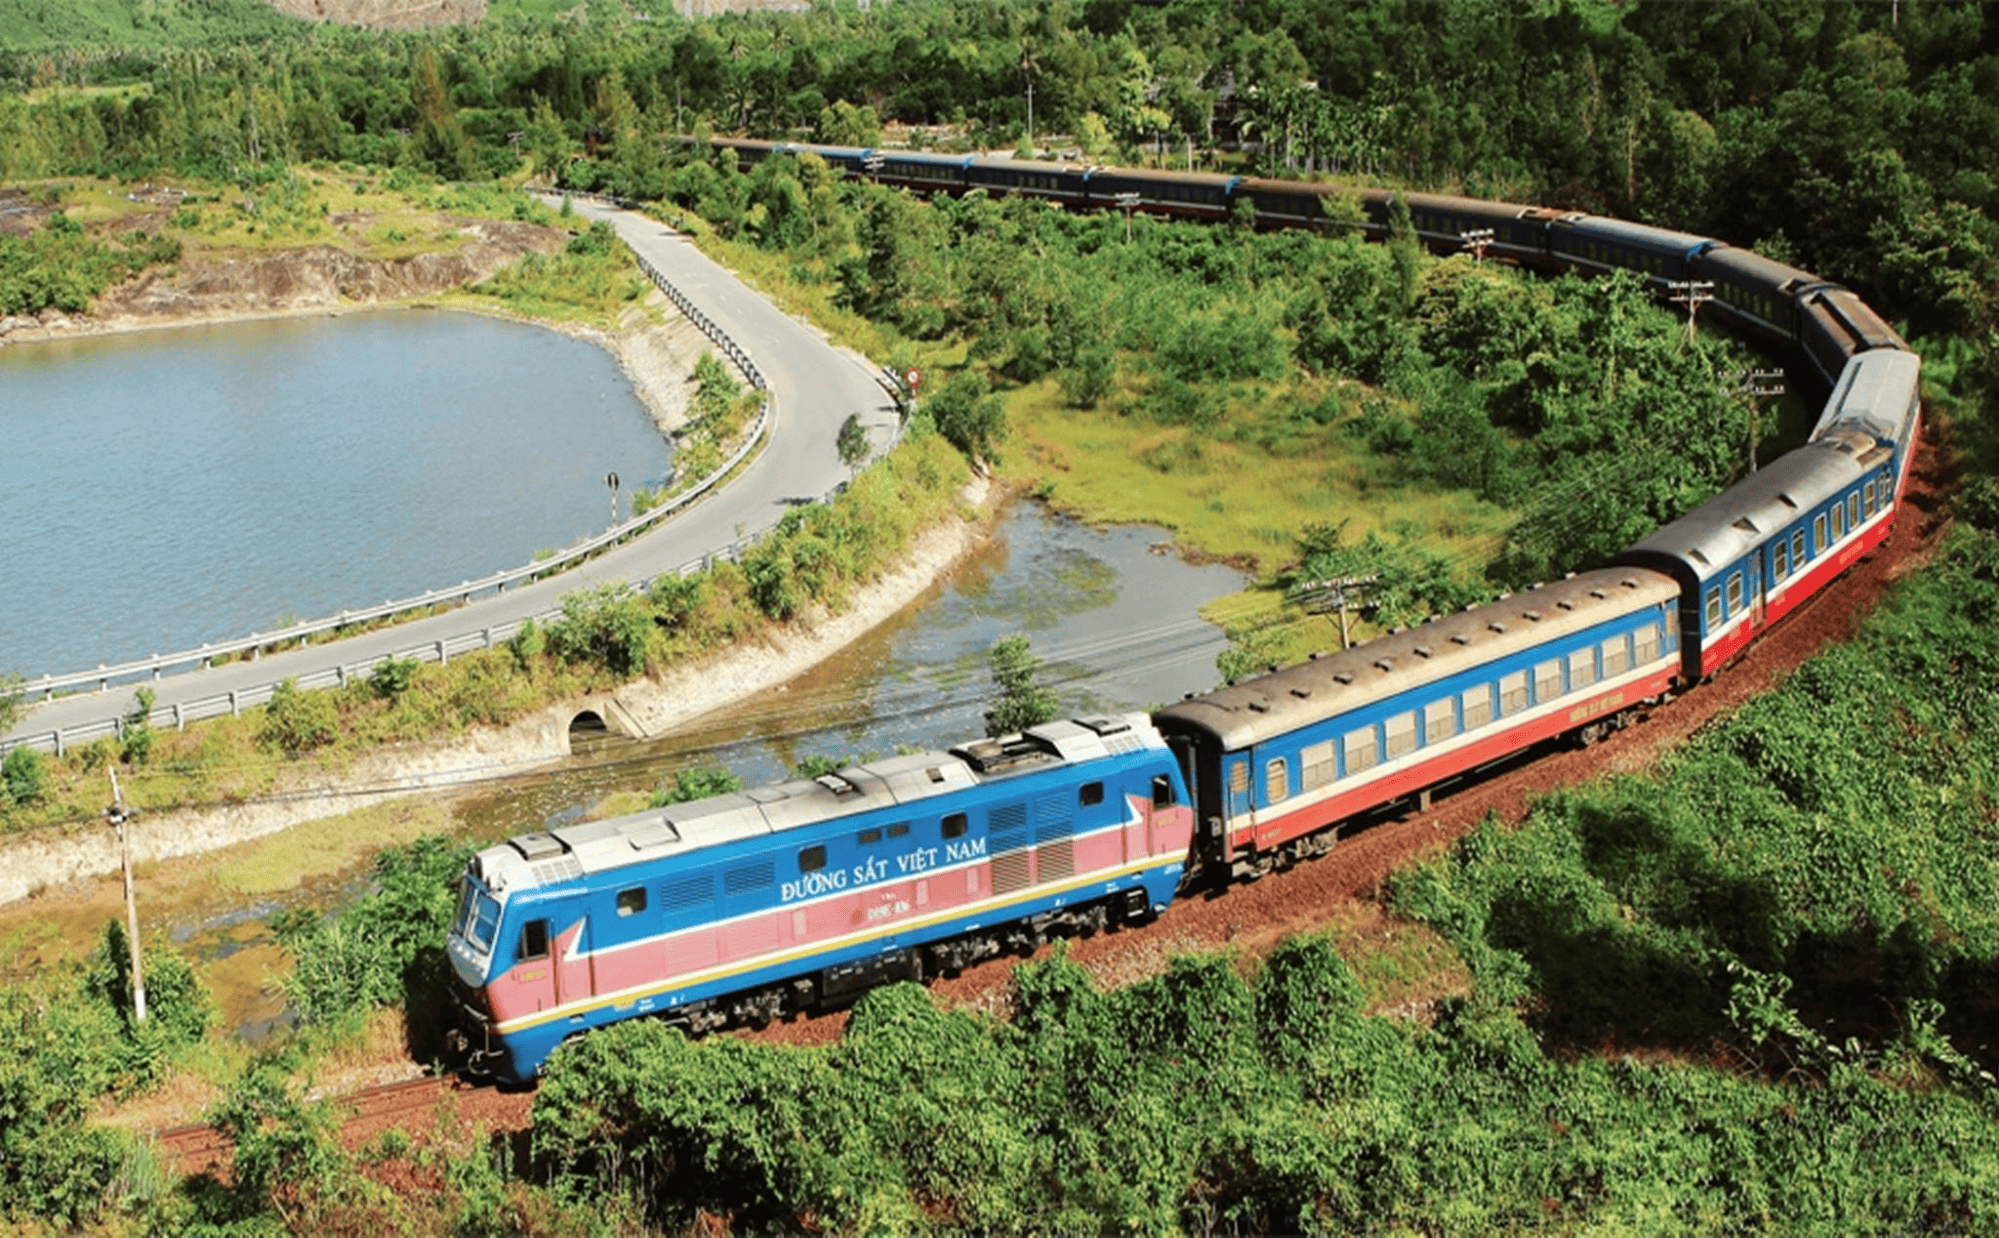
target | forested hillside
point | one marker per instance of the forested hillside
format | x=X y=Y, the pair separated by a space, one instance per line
x=1748 y=988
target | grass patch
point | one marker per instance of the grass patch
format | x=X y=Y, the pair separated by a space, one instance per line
x=329 y=845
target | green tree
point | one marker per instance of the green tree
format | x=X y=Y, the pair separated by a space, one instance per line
x=1022 y=701
x=852 y=442
x=24 y=778
x=296 y=721
x=969 y=415
x=607 y=624
x=694 y=784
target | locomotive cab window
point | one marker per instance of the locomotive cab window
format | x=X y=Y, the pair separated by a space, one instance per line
x=534 y=942
x=954 y=825
x=1090 y=793
x=812 y=859
x=1162 y=792
x=631 y=902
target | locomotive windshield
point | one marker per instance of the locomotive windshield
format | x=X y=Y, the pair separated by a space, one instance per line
x=478 y=913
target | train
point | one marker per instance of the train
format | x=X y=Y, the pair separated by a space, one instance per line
x=761 y=904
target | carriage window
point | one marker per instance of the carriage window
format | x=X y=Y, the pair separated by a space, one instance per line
x=1090 y=793
x=954 y=825
x=1582 y=669
x=1239 y=778
x=534 y=941
x=1838 y=521
x=1513 y=693
x=1853 y=510
x=1401 y=734
x=1613 y=656
x=1162 y=792
x=1360 y=750
x=1646 y=643
x=1868 y=492
x=1440 y=721
x=1714 y=608
x=1818 y=534
x=1318 y=765
x=1548 y=681
x=812 y=859
x=1478 y=707
x=1276 y=786
x=1780 y=560
x=1735 y=593
x=1797 y=549
x=631 y=902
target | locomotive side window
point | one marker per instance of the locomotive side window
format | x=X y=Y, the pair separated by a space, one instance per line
x=1360 y=750
x=1735 y=593
x=1162 y=792
x=1613 y=656
x=1582 y=669
x=812 y=859
x=1513 y=693
x=1478 y=707
x=631 y=902
x=1645 y=642
x=1318 y=765
x=954 y=825
x=1548 y=680
x=1714 y=608
x=1090 y=793
x=1818 y=534
x=1780 y=562
x=899 y=829
x=534 y=942
x=1276 y=785
x=1440 y=721
x=868 y=836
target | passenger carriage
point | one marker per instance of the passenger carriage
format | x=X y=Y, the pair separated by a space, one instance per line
x=747 y=906
x=1274 y=760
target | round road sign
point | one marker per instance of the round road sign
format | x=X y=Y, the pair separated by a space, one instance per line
x=913 y=379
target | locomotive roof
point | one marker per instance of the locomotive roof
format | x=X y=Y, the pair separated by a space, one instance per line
x=1254 y=710
x=1874 y=394
x=1708 y=539
x=551 y=856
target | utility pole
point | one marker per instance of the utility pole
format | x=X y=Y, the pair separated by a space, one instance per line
x=1753 y=385
x=119 y=815
x=1692 y=293
x=1477 y=240
x=1321 y=596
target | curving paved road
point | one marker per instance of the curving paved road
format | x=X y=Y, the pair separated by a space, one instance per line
x=814 y=388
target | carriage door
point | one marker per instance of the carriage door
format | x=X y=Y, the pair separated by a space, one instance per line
x=534 y=966
x=1237 y=776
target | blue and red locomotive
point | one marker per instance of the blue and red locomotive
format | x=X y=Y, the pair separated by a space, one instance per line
x=751 y=906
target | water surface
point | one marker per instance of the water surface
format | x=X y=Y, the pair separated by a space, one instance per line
x=162 y=489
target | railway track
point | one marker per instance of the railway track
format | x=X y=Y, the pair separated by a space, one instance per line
x=200 y=1148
